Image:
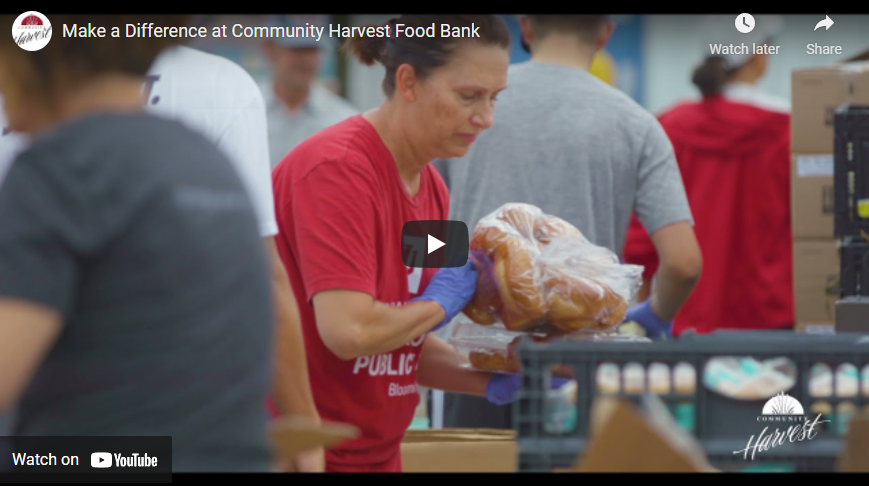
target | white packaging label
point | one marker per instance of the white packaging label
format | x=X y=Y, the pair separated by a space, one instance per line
x=815 y=166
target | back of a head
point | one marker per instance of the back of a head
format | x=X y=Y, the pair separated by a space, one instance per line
x=69 y=61
x=425 y=53
x=585 y=27
x=717 y=31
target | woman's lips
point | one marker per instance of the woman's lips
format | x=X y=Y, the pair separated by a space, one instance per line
x=468 y=137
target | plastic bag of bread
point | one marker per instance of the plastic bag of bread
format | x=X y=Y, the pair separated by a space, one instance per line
x=538 y=272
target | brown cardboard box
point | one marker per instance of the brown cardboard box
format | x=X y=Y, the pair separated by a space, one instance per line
x=816 y=283
x=815 y=94
x=627 y=439
x=855 y=454
x=812 y=202
x=459 y=450
x=290 y=436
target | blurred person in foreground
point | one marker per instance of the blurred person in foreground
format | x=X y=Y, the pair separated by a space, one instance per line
x=580 y=149
x=733 y=150
x=134 y=289
x=218 y=98
x=11 y=144
x=298 y=106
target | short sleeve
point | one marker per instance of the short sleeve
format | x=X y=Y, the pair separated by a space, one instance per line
x=661 y=198
x=334 y=216
x=245 y=142
x=639 y=248
x=44 y=228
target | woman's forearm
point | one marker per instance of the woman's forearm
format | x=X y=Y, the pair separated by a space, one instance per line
x=353 y=324
x=440 y=368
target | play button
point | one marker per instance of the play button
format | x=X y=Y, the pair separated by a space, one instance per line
x=434 y=244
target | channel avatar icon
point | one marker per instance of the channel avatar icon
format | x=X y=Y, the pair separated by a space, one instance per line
x=31 y=31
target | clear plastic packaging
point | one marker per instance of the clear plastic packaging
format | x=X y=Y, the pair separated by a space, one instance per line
x=538 y=272
x=745 y=378
x=495 y=348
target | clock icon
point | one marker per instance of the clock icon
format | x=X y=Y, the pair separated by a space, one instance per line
x=744 y=23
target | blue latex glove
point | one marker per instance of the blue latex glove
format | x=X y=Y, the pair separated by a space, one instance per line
x=502 y=389
x=452 y=288
x=642 y=314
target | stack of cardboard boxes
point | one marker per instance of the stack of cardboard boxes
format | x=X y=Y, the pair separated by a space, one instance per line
x=816 y=93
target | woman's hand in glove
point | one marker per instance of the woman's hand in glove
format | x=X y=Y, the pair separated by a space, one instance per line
x=452 y=288
x=645 y=317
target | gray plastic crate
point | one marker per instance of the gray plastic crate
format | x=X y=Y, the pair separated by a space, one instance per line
x=721 y=424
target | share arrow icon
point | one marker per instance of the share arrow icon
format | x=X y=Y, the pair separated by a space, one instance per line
x=826 y=23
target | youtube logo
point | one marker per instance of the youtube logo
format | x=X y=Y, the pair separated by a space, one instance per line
x=434 y=244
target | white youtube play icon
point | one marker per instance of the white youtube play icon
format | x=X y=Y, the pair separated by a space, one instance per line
x=434 y=243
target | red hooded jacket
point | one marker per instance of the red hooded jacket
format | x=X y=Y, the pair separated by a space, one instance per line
x=735 y=163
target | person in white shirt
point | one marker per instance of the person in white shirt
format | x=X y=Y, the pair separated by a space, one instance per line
x=220 y=99
x=11 y=144
x=297 y=105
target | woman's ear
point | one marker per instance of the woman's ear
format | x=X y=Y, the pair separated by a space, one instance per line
x=406 y=82
x=526 y=30
x=604 y=36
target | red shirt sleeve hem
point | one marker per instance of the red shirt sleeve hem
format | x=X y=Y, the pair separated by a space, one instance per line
x=338 y=282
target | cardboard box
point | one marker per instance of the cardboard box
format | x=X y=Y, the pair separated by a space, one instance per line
x=625 y=438
x=855 y=454
x=816 y=283
x=812 y=203
x=459 y=450
x=815 y=94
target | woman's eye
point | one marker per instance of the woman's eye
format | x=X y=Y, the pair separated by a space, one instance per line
x=469 y=97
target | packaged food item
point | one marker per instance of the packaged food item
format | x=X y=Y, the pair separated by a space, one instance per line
x=844 y=413
x=635 y=377
x=659 y=378
x=608 y=379
x=825 y=410
x=820 y=381
x=745 y=378
x=847 y=382
x=865 y=381
x=496 y=349
x=536 y=271
x=685 y=378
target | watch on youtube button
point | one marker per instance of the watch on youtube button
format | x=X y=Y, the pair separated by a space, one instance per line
x=434 y=244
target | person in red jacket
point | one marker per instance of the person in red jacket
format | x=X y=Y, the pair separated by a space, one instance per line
x=733 y=150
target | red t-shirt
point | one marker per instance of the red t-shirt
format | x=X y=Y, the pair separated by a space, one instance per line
x=735 y=163
x=341 y=206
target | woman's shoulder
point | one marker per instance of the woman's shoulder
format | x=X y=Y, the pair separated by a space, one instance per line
x=346 y=146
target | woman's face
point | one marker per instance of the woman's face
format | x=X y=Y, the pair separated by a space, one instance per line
x=456 y=102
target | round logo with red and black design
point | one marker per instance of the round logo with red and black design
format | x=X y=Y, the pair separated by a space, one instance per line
x=31 y=31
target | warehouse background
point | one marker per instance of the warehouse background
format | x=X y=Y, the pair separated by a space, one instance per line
x=653 y=54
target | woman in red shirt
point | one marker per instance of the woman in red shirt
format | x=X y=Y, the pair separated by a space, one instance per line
x=733 y=150
x=342 y=198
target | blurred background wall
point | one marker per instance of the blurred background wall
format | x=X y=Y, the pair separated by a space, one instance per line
x=653 y=55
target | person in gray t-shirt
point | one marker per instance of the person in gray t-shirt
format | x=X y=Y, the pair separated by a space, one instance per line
x=135 y=297
x=579 y=149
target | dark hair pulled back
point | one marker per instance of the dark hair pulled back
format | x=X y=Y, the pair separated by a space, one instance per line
x=425 y=54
